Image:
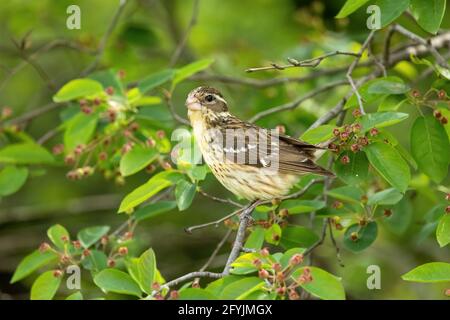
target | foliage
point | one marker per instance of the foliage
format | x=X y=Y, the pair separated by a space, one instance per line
x=385 y=153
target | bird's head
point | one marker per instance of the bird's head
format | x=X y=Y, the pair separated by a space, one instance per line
x=206 y=98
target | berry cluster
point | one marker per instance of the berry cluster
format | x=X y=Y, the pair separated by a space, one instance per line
x=431 y=99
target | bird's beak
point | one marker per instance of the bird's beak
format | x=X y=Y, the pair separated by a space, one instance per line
x=193 y=104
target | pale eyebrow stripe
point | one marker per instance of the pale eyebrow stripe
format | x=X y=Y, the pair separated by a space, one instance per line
x=220 y=98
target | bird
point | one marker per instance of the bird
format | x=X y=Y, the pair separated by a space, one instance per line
x=253 y=163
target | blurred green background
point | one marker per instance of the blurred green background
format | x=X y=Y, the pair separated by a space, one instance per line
x=237 y=34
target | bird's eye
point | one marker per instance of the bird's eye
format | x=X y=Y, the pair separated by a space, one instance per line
x=209 y=98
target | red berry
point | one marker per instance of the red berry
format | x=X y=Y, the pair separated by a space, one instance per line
x=437 y=114
x=97 y=101
x=44 y=247
x=355 y=147
x=166 y=165
x=69 y=159
x=447 y=209
x=296 y=259
x=64 y=259
x=86 y=110
x=345 y=159
x=102 y=156
x=387 y=212
x=257 y=263
x=354 y=236
x=83 y=103
x=281 y=291
x=293 y=295
x=263 y=274
x=160 y=134
x=264 y=252
x=109 y=91
x=442 y=94
x=76 y=244
x=134 y=126
x=57 y=273
x=277 y=267
x=356 y=113
x=284 y=213
x=156 y=286
x=128 y=235
x=339 y=226
x=58 y=149
x=444 y=120
x=336 y=132
x=111 y=263
x=123 y=251
x=356 y=128
x=64 y=239
x=104 y=240
x=86 y=253
x=447 y=197
x=338 y=205
x=174 y=294
x=374 y=131
x=415 y=93
x=363 y=141
x=344 y=136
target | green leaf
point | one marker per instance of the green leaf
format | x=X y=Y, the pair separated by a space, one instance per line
x=96 y=261
x=391 y=10
x=12 y=179
x=155 y=80
x=430 y=147
x=244 y=263
x=55 y=233
x=45 y=286
x=154 y=209
x=137 y=159
x=91 y=235
x=366 y=236
x=386 y=197
x=389 y=164
x=302 y=206
x=189 y=70
x=355 y=171
x=319 y=134
x=400 y=219
x=349 y=7
x=429 y=272
x=75 y=296
x=240 y=289
x=298 y=236
x=113 y=280
x=25 y=153
x=347 y=193
x=324 y=285
x=256 y=239
x=388 y=85
x=154 y=185
x=78 y=88
x=428 y=13
x=184 y=194
x=109 y=78
x=272 y=235
x=446 y=113
x=33 y=262
x=381 y=119
x=443 y=230
x=80 y=130
x=146 y=266
x=196 y=294
x=391 y=103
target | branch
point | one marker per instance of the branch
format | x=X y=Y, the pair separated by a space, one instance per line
x=34 y=113
x=213 y=223
x=105 y=38
x=352 y=67
x=182 y=44
x=293 y=63
x=175 y=116
x=217 y=199
x=295 y=103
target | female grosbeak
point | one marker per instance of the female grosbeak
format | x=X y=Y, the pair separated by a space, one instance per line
x=252 y=162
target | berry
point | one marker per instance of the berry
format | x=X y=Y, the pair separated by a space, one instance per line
x=160 y=134
x=102 y=156
x=280 y=276
x=415 y=93
x=76 y=244
x=339 y=226
x=356 y=128
x=387 y=213
x=442 y=94
x=57 y=273
x=257 y=263
x=284 y=213
x=128 y=235
x=83 y=102
x=437 y=114
x=109 y=90
x=336 y=132
x=345 y=159
x=447 y=292
x=277 y=267
x=276 y=237
x=374 y=132
x=166 y=165
x=447 y=197
x=444 y=120
x=64 y=239
x=355 y=147
x=58 y=149
x=338 y=205
x=86 y=253
x=354 y=236
x=97 y=101
x=263 y=274
x=296 y=259
x=363 y=141
x=64 y=259
x=276 y=202
x=121 y=74
x=344 y=136
x=69 y=159
x=123 y=251
x=86 y=109
x=264 y=252
x=156 y=286
x=174 y=294
x=150 y=168
x=134 y=126
x=127 y=147
x=447 y=209
x=293 y=295
x=111 y=263
x=356 y=113
x=362 y=222
x=281 y=291
x=104 y=240
x=44 y=247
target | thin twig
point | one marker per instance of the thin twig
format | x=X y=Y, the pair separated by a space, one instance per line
x=34 y=113
x=293 y=63
x=217 y=199
x=213 y=223
x=295 y=103
x=171 y=107
x=352 y=67
x=102 y=45
x=182 y=44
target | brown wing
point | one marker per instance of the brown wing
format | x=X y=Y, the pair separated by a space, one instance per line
x=248 y=144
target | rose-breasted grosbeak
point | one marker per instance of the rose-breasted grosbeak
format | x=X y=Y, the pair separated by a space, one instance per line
x=252 y=162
